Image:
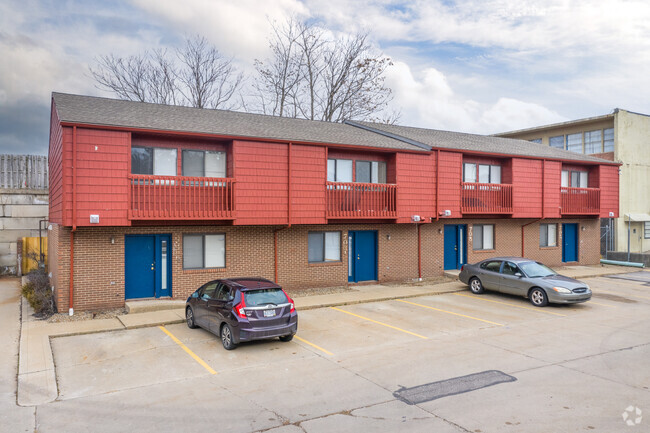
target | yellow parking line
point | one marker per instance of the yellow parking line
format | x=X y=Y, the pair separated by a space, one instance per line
x=537 y=309
x=189 y=352
x=379 y=323
x=450 y=312
x=313 y=345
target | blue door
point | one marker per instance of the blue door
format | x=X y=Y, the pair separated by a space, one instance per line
x=455 y=254
x=570 y=242
x=362 y=255
x=147 y=266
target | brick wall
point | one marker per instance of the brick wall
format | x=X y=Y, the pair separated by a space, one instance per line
x=99 y=264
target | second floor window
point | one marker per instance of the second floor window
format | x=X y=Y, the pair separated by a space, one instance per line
x=153 y=161
x=481 y=173
x=557 y=142
x=340 y=170
x=199 y=163
x=593 y=141
x=575 y=179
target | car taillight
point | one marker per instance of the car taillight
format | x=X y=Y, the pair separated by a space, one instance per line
x=461 y=268
x=293 y=308
x=239 y=309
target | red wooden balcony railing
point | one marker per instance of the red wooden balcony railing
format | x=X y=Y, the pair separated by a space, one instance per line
x=486 y=198
x=181 y=197
x=580 y=201
x=361 y=200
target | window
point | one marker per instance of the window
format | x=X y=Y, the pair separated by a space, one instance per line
x=199 y=163
x=548 y=235
x=153 y=161
x=492 y=266
x=324 y=247
x=557 y=142
x=593 y=141
x=646 y=230
x=536 y=140
x=483 y=237
x=574 y=142
x=608 y=140
x=204 y=251
x=371 y=172
x=209 y=291
x=510 y=268
x=575 y=179
x=486 y=173
x=339 y=170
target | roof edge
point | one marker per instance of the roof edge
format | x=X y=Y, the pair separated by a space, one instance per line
x=389 y=135
x=557 y=125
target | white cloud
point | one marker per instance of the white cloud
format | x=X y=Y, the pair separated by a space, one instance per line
x=427 y=100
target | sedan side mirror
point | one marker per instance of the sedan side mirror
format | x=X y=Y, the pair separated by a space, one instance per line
x=518 y=275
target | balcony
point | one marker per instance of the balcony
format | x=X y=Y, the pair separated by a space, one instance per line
x=486 y=198
x=580 y=201
x=361 y=200
x=181 y=198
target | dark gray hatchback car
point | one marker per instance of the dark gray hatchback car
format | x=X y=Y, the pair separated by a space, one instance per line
x=524 y=277
x=242 y=309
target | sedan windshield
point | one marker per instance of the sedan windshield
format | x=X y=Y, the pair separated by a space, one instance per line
x=536 y=270
x=254 y=298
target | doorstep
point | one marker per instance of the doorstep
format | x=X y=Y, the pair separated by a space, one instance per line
x=147 y=305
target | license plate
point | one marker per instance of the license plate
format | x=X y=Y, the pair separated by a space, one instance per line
x=269 y=313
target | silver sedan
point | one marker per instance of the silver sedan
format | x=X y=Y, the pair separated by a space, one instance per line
x=524 y=277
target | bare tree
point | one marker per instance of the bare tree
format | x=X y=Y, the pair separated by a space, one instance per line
x=197 y=76
x=315 y=76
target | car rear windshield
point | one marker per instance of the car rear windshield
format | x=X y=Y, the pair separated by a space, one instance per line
x=261 y=297
x=536 y=270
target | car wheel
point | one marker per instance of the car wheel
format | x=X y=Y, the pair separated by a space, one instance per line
x=476 y=286
x=189 y=317
x=226 y=337
x=538 y=297
x=286 y=338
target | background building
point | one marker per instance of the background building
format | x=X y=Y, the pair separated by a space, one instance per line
x=624 y=137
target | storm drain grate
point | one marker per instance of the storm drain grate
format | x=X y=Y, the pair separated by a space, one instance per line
x=457 y=385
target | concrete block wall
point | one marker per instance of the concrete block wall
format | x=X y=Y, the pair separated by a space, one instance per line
x=20 y=213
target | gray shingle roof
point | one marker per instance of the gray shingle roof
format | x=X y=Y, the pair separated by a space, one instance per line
x=129 y=114
x=477 y=143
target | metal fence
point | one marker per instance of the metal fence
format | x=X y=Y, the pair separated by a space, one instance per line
x=23 y=172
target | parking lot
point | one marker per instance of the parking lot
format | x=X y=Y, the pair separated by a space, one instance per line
x=577 y=368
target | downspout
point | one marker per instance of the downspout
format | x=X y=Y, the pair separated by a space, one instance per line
x=437 y=182
x=419 y=252
x=74 y=220
x=276 y=231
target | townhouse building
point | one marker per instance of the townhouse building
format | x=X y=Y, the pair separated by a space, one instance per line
x=151 y=201
x=622 y=136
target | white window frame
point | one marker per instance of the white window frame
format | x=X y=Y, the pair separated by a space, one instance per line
x=336 y=170
x=646 y=230
x=567 y=179
x=472 y=172
x=331 y=251
x=209 y=243
x=483 y=236
x=548 y=236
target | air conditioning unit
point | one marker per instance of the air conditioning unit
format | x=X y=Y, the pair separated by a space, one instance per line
x=416 y=218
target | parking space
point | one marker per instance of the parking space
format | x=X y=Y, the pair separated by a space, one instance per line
x=355 y=356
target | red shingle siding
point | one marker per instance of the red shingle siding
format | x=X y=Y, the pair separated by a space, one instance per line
x=261 y=173
x=308 y=174
x=608 y=190
x=451 y=173
x=416 y=186
x=55 y=168
x=552 y=178
x=527 y=193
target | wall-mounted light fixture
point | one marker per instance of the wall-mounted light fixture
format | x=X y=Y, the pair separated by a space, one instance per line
x=439 y=231
x=388 y=236
x=112 y=239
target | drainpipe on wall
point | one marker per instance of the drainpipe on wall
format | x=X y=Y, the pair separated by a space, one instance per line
x=276 y=231
x=74 y=220
x=419 y=251
x=437 y=182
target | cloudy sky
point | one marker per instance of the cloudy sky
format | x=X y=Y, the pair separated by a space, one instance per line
x=481 y=66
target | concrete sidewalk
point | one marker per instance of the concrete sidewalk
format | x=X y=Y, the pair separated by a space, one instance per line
x=36 y=374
